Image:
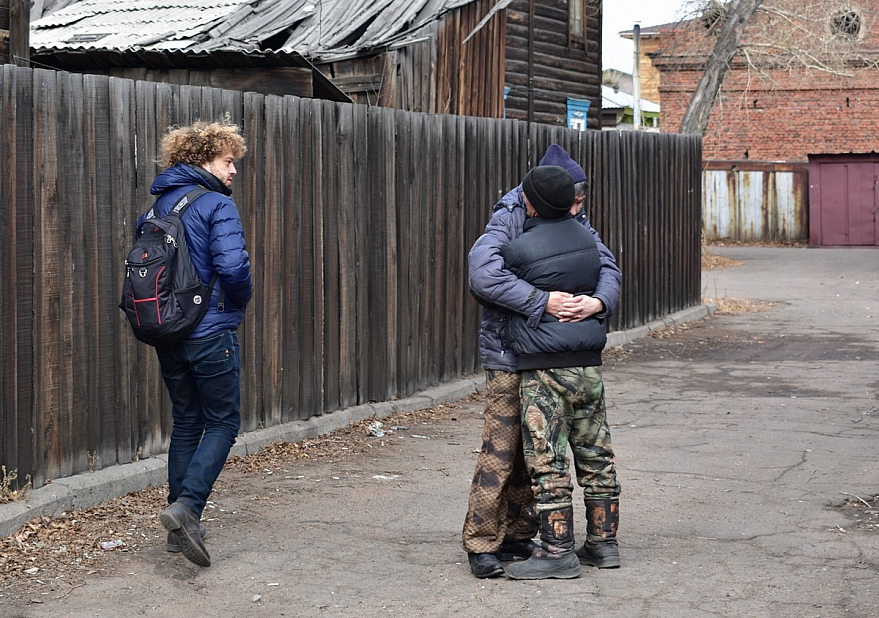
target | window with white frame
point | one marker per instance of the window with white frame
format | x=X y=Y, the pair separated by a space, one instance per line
x=578 y=114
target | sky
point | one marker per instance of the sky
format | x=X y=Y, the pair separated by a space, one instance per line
x=617 y=52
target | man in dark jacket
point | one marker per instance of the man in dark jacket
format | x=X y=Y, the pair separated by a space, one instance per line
x=562 y=391
x=499 y=523
x=202 y=373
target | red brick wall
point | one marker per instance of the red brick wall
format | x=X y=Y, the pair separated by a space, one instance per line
x=783 y=121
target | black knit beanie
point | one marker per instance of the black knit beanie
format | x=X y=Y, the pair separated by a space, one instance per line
x=550 y=190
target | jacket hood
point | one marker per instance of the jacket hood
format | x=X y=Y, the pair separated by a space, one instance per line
x=182 y=175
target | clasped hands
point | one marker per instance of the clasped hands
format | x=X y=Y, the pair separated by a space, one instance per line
x=569 y=308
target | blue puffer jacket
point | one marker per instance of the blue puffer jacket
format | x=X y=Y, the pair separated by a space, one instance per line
x=501 y=292
x=215 y=238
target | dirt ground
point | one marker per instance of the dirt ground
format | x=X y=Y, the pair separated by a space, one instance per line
x=50 y=556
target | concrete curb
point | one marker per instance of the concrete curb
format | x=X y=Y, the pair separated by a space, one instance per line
x=319 y=425
x=84 y=491
x=691 y=314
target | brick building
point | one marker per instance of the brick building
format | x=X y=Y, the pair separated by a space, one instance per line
x=783 y=113
x=789 y=150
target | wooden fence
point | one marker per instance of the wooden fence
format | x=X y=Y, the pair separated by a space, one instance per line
x=358 y=220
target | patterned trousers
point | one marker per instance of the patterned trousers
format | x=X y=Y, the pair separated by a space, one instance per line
x=500 y=502
x=560 y=406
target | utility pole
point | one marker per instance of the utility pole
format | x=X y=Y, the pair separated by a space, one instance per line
x=636 y=80
x=15 y=32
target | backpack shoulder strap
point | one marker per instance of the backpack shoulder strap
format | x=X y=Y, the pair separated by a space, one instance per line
x=182 y=204
x=188 y=198
x=180 y=207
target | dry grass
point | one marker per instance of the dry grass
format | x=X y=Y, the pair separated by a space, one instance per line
x=734 y=306
x=8 y=483
x=711 y=261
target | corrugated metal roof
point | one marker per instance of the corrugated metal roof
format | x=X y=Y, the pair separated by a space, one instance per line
x=313 y=28
x=621 y=100
x=112 y=24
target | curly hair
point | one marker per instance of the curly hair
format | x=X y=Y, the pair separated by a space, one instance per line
x=201 y=142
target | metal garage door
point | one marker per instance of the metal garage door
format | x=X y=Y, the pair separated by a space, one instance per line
x=842 y=200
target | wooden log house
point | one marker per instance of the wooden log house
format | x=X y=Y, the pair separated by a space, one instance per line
x=553 y=62
x=532 y=60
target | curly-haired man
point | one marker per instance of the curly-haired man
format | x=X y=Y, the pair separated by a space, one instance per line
x=202 y=373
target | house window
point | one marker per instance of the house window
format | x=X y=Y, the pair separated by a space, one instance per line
x=577 y=20
x=578 y=112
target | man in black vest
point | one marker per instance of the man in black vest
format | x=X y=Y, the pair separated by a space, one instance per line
x=562 y=391
x=500 y=523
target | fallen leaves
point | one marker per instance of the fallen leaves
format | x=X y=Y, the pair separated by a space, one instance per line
x=733 y=306
x=864 y=513
x=711 y=261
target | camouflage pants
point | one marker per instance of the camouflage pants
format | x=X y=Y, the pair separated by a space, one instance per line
x=500 y=502
x=561 y=406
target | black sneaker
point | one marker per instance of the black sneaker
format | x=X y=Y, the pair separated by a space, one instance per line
x=485 y=565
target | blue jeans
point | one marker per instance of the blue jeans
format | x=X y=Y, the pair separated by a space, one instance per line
x=203 y=380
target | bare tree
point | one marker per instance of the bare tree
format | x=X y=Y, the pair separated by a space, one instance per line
x=732 y=22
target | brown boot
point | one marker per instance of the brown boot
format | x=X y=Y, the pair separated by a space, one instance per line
x=555 y=557
x=600 y=548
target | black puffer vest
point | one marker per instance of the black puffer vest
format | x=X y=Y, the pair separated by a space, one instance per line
x=555 y=255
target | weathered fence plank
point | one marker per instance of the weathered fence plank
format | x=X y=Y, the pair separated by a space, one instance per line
x=78 y=289
x=18 y=451
x=291 y=239
x=365 y=285
x=327 y=207
x=267 y=259
x=49 y=403
x=250 y=196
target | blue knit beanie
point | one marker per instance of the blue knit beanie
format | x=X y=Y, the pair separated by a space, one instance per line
x=556 y=155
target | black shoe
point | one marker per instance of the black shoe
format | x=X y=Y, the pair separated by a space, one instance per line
x=177 y=518
x=566 y=566
x=485 y=565
x=603 y=554
x=173 y=543
x=511 y=550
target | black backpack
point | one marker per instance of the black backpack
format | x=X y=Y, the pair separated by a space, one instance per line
x=162 y=295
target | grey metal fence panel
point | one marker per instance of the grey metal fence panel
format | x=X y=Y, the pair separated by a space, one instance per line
x=755 y=201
